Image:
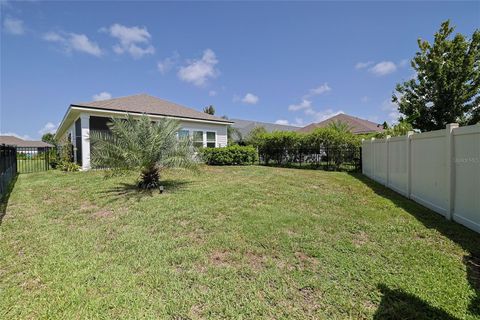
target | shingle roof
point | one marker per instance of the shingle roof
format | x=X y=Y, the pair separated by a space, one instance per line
x=356 y=125
x=14 y=141
x=144 y=103
x=245 y=126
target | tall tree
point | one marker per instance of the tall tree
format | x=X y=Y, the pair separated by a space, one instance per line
x=446 y=88
x=142 y=145
x=210 y=110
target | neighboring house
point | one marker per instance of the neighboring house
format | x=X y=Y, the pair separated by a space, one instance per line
x=25 y=146
x=356 y=125
x=81 y=118
x=244 y=127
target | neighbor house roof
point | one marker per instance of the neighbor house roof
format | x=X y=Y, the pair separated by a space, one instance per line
x=144 y=103
x=355 y=124
x=14 y=141
x=245 y=126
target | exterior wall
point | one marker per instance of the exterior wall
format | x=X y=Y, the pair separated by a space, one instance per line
x=438 y=169
x=219 y=129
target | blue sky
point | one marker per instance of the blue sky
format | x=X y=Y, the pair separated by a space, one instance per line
x=280 y=62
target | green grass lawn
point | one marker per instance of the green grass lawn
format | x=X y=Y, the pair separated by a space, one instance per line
x=231 y=242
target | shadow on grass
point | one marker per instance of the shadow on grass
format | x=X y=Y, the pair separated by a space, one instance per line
x=5 y=197
x=397 y=304
x=466 y=238
x=127 y=191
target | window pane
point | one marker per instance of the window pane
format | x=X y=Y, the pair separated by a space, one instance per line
x=210 y=144
x=210 y=136
x=183 y=134
x=198 y=144
x=198 y=136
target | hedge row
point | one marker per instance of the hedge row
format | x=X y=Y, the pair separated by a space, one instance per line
x=231 y=155
x=283 y=146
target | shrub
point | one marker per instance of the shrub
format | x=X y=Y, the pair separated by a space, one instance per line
x=231 y=155
x=68 y=166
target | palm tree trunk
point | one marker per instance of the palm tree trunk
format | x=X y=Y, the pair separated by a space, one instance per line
x=150 y=178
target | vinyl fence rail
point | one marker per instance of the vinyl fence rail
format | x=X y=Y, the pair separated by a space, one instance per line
x=8 y=167
x=438 y=169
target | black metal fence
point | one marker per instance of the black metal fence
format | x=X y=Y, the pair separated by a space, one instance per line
x=32 y=159
x=8 y=167
x=326 y=158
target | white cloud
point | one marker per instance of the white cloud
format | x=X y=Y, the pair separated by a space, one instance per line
x=305 y=104
x=199 y=71
x=168 y=63
x=324 y=88
x=74 y=42
x=391 y=109
x=49 y=127
x=403 y=63
x=80 y=42
x=383 y=68
x=13 y=26
x=102 y=96
x=319 y=116
x=53 y=37
x=250 y=98
x=133 y=40
x=24 y=137
x=365 y=99
x=212 y=93
x=362 y=65
x=298 y=122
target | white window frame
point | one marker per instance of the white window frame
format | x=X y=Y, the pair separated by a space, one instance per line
x=190 y=134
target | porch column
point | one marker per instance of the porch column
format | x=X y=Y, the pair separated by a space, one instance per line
x=85 y=124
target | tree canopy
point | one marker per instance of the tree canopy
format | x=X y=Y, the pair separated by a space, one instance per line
x=49 y=138
x=446 y=87
x=210 y=110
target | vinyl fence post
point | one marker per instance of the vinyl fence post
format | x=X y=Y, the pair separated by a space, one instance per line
x=372 y=147
x=387 y=155
x=408 y=160
x=450 y=181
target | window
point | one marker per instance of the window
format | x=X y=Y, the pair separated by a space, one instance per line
x=198 y=139
x=211 y=139
x=183 y=134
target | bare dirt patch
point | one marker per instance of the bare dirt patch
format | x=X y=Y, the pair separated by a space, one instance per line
x=220 y=258
x=360 y=238
x=103 y=214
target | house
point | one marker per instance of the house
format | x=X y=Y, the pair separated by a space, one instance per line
x=244 y=127
x=356 y=125
x=25 y=146
x=82 y=118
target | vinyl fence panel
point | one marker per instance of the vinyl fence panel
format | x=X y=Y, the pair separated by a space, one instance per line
x=380 y=161
x=438 y=169
x=397 y=165
x=429 y=170
x=466 y=204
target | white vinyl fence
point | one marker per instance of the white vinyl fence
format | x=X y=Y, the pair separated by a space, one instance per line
x=438 y=169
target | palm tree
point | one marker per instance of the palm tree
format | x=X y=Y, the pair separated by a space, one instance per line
x=143 y=145
x=339 y=126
